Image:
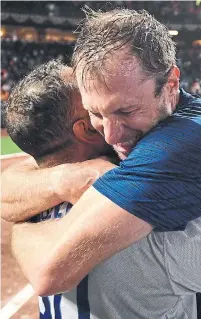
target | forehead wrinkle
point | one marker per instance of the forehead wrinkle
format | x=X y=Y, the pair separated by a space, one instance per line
x=121 y=64
x=113 y=105
x=109 y=89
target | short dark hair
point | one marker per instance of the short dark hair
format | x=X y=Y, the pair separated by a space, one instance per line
x=104 y=32
x=40 y=110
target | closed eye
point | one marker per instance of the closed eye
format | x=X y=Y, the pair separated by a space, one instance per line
x=123 y=112
x=91 y=114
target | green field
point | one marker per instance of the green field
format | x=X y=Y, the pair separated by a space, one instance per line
x=8 y=147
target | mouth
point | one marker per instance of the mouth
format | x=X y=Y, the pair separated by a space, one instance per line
x=124 y=148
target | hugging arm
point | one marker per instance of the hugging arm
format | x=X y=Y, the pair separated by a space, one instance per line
x=21 y=192
x=69 y=248
x=28 y=190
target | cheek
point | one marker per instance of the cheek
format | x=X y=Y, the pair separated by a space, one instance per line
x=141 y=122
x=138 y=123
x=134 y=122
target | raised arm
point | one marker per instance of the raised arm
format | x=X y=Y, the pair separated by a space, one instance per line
x=28 y=190
x=67 y=249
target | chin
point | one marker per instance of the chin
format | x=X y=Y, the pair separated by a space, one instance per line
x=122 y=156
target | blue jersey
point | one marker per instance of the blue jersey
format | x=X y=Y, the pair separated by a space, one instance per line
x=160 y=181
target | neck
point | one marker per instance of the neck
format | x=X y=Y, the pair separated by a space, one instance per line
x=63 y=157
x=175 y=101
x=72 y=154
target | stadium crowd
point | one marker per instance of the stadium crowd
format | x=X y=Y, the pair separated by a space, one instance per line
x=190 y=11
x=19 y=57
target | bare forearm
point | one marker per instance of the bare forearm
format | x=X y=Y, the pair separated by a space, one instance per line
x=28 y=190
x=30 y=245
x=69 y=248
x=99 y=231
x=41 y=239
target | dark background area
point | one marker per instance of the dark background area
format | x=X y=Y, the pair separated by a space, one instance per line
x=34 y=32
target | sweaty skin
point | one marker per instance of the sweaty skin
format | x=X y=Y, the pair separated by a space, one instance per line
x=81 y=240
x=40 y=189
x=124 y=106
x=96 y=228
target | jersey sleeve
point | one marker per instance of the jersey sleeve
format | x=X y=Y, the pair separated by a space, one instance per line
x=160 y=181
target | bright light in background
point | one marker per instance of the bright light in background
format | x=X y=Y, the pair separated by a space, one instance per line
x=197 y=42
x=198 y=2
x=2 y=32
x=173 y=32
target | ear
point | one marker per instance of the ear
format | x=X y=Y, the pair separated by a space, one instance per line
x=173 y=79
x=84 y=132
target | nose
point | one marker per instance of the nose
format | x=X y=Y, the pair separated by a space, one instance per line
x=112 y=131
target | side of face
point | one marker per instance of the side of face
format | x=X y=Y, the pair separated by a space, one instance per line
x=126 y=107
x=90 y=142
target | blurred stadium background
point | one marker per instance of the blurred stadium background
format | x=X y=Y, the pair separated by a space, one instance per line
x=33 y=32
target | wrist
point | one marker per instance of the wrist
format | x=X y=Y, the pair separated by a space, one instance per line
x=70 y=181
x=55 y=183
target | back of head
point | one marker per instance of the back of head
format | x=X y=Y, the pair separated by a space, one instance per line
x=103 y=33
x=40 y=110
